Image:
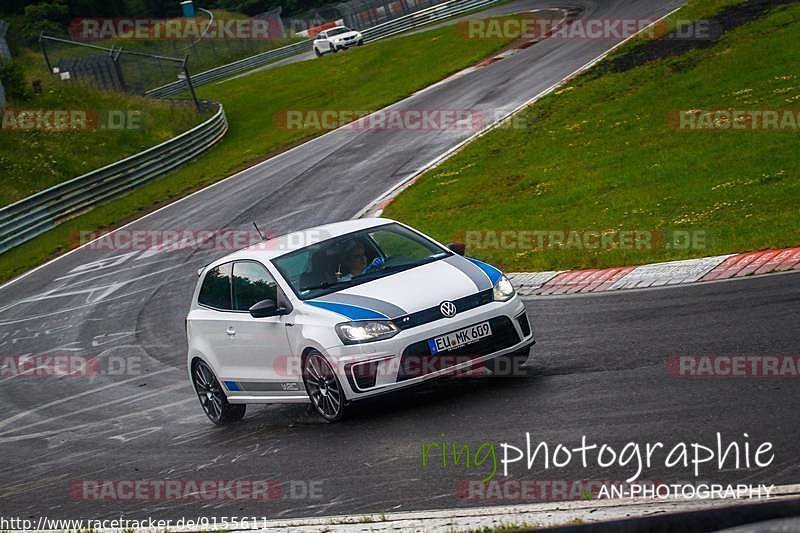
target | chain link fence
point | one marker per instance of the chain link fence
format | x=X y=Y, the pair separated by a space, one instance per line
x=5 y=55
x=114 y=69
x=161 y=68
x=137 y=65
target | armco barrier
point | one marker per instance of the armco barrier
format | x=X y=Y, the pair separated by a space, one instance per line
x=24 y=220
x=419 y=18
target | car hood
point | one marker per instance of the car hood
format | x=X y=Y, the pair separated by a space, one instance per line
x=411 y=290
x=343 y=35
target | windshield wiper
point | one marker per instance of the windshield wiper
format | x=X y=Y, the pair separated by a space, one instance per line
x=323 y=285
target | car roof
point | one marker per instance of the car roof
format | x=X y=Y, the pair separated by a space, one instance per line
x=289 y=242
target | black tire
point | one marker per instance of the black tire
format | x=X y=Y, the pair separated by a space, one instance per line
x=509 y=365
x=317 y=52
x=334 y=49
x=212 y=398
x=360 y=43
x=323 y=387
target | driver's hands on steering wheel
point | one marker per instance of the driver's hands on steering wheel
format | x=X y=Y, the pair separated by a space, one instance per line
x=374 y=265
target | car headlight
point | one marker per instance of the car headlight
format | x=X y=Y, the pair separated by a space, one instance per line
x=366 y=331
x=503 y=290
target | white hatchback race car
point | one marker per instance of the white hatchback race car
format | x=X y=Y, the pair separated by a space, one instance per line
x=335 y=39
x=342 y=312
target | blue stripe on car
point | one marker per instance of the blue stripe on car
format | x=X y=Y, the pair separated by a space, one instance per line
x=471 y=270
x=365 y=302
x=352 y=312
x=232 y=386
x=492 y=272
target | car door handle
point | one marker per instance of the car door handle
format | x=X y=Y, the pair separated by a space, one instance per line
x=230 y=331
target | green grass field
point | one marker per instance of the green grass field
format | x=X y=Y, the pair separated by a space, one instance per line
x=599 y=154
x=366 y=78
x=35 y=160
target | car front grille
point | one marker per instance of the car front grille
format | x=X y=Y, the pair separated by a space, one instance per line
x=430 y=314
x=417 y=359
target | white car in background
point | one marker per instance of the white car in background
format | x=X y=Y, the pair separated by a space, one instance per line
x=335 y=39
x=346 y=311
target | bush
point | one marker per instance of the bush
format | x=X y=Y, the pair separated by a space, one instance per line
x=12 y=76
x=50 y=17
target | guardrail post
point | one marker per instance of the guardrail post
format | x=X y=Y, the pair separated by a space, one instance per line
x=189 y=83
x=44 y=52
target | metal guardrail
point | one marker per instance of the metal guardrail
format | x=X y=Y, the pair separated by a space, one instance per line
x=224 y=71
x=417 y=19
x=32 y=216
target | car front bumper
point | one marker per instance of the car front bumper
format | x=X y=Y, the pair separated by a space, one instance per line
x=369 y=369
x=347 y=44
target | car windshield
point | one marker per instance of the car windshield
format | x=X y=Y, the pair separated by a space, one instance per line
x=356 y=258
x=337 y=31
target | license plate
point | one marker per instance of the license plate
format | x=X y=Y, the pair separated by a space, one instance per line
x=459 y=338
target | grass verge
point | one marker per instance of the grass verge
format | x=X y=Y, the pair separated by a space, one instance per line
x=35 y=160
x=365 y=78
x=599 y=154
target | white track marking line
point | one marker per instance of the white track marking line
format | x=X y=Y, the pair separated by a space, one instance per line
x=132 y=398
x=27 y=412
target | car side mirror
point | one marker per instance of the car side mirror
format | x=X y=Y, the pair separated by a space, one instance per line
x=458 y=247
x=266 y=308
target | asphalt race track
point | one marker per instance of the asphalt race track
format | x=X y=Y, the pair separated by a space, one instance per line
x=598 y=370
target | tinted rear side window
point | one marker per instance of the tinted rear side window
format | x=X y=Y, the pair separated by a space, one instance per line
x=251 y=284
x=216 y=289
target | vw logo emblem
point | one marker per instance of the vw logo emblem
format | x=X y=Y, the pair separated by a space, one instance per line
x=448 y=309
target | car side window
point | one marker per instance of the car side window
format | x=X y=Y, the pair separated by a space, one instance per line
x=321 y=36
x=252 y=283
x=216 y=289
